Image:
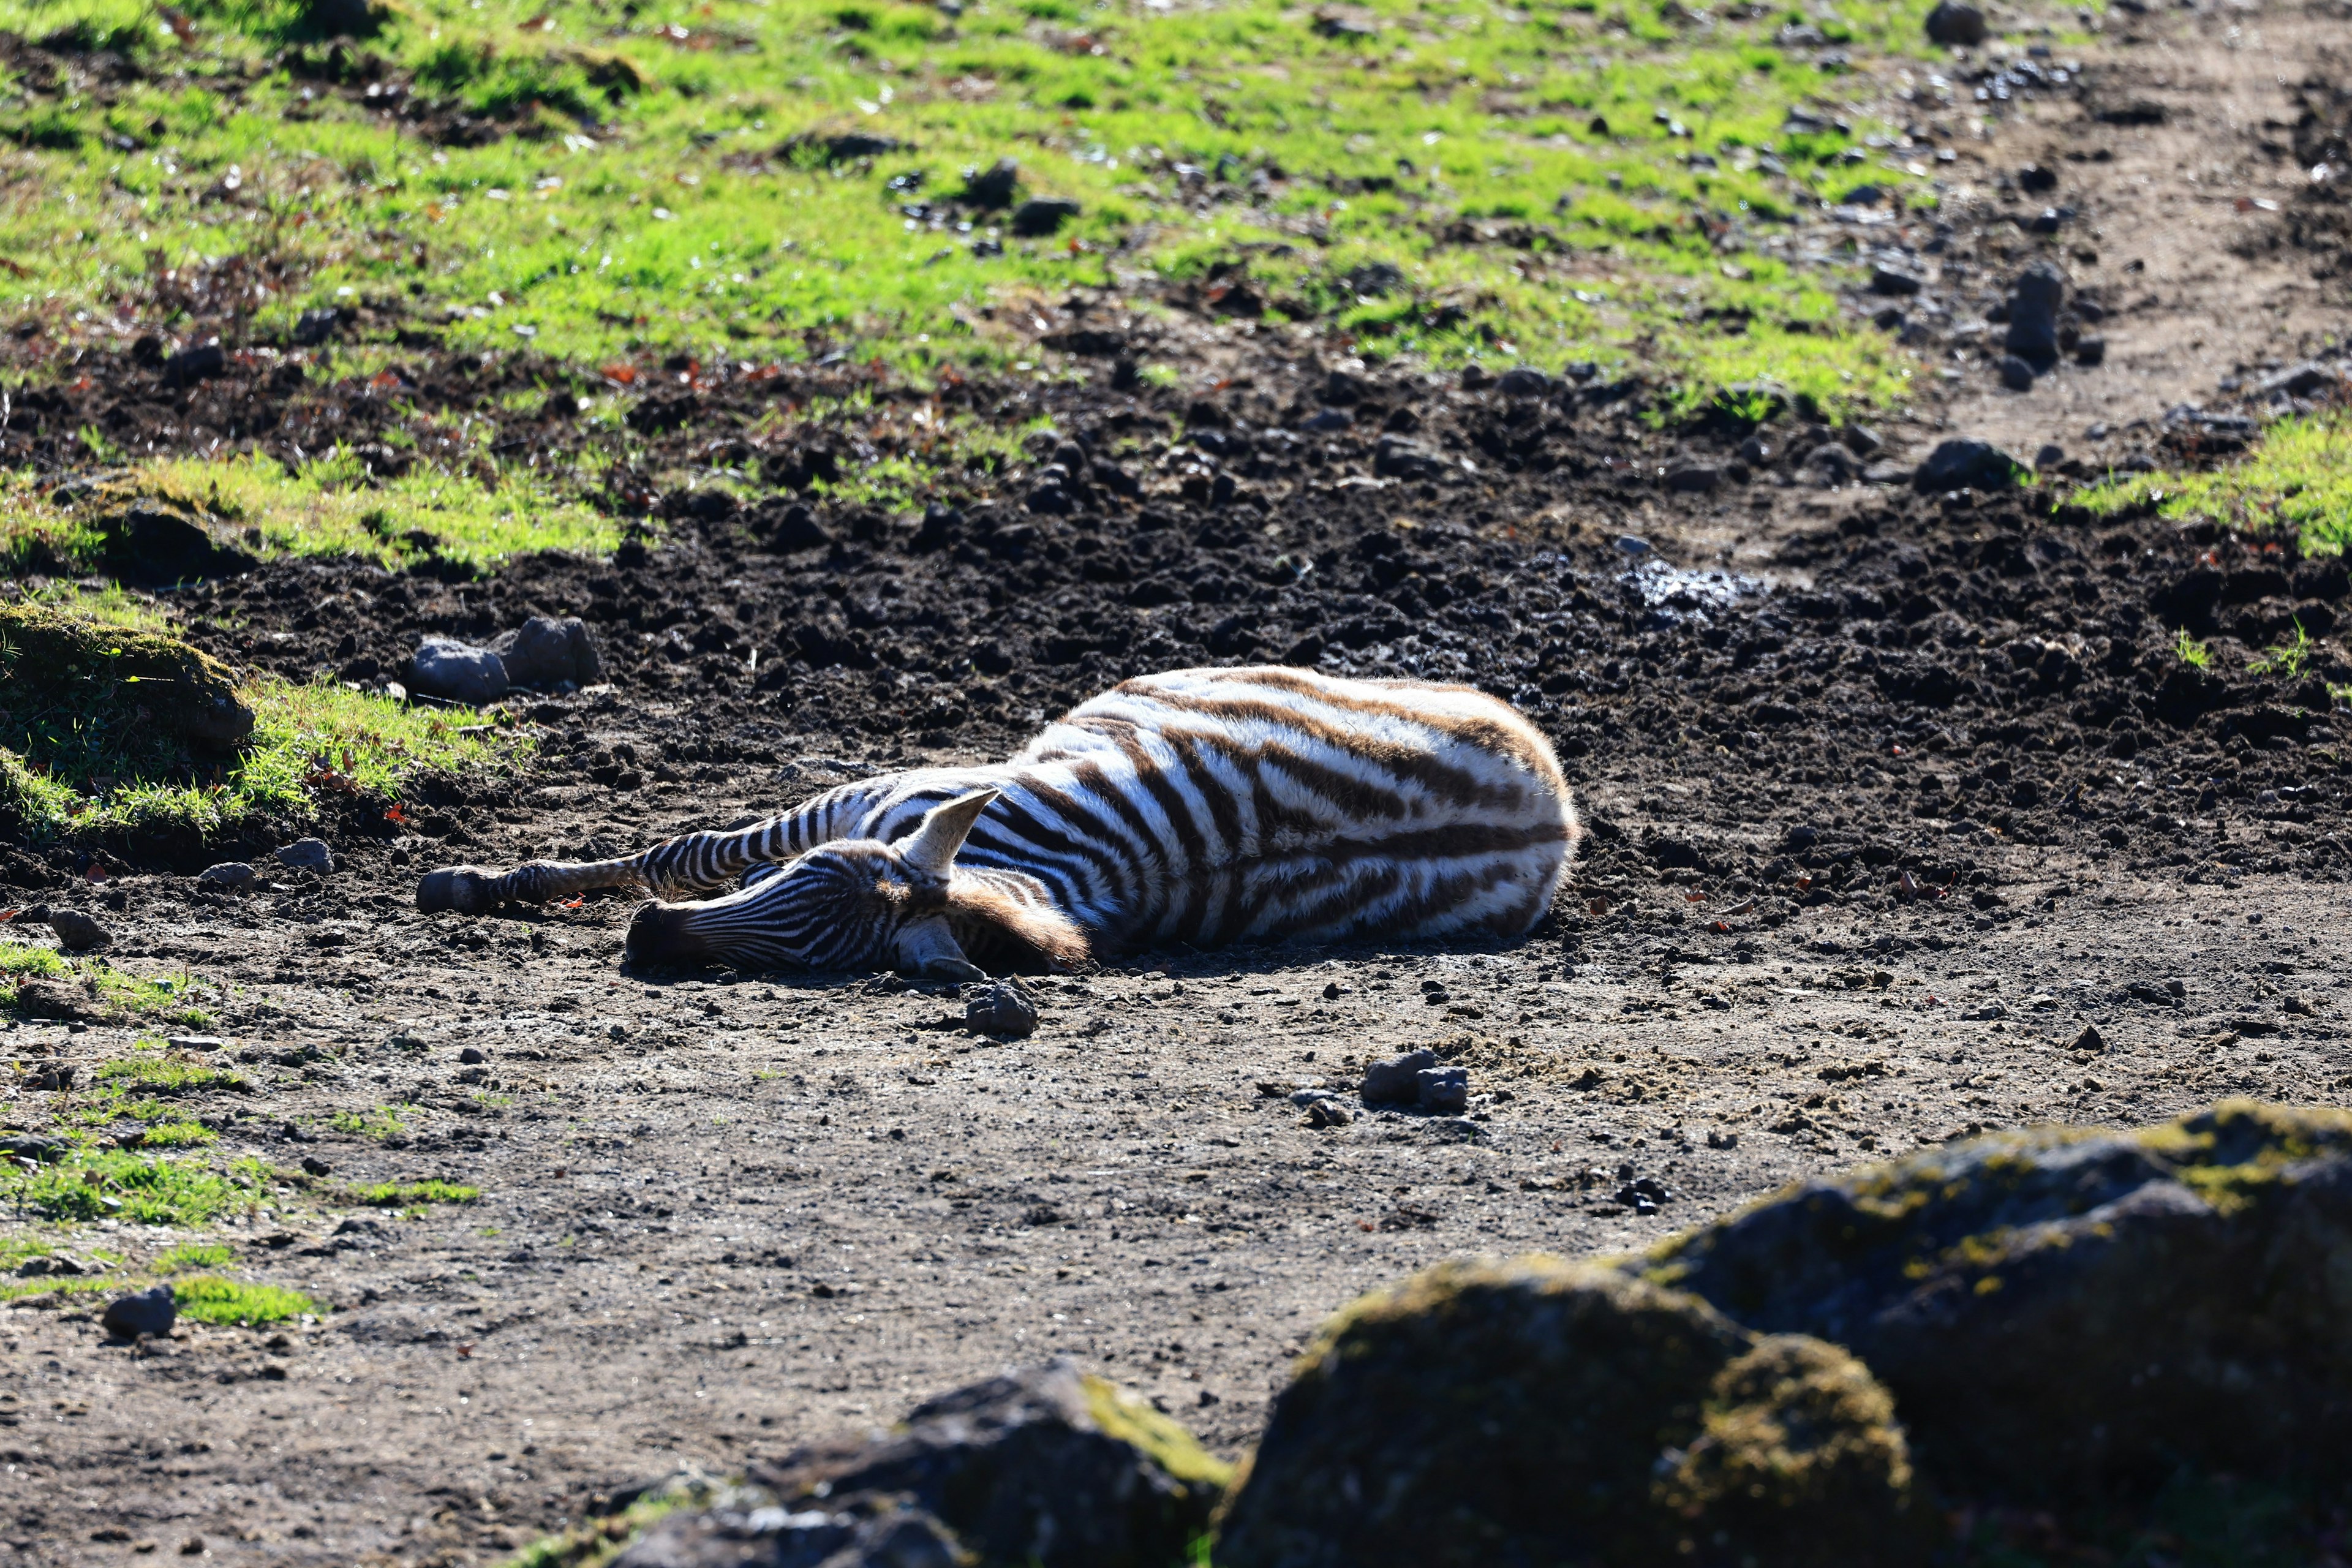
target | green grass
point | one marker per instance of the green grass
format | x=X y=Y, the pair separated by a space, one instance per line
x=2290 y=658
x=105 y=1184
x=208 y=1298
x=2296 y=485
x=408 y=1195
x=2192 y=651
x=380 y=1123
x=155 y=1071
x=171 y=999
x=194 y=1255
x=662 y=188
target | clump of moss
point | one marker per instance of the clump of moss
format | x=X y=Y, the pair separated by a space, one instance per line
x=81 y=697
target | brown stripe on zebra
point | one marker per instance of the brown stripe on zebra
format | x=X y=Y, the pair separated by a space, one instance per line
x=1202 y=805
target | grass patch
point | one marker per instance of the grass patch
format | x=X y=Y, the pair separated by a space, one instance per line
x=208 y=1298
x=153 y=1071
x=191 y=1255
x=2296 y=484
x=2193 y=652
x=382 y=1123
x=171 y=999
x=1443 y=181
x=104 y=1183
x=409 y=1194
x=2290 y=658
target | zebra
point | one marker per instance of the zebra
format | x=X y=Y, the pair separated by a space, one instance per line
x=1197 y=807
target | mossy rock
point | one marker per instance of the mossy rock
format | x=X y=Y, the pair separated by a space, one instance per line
x=1046 y=1468
x=2068 y=1314
x=1541 y=1412
x=82 y=698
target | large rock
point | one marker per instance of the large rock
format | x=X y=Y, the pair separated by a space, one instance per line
x=458 y=671
x=1954 y=24
x=2060 y=1312
x=1965 y=465
x=2034 y=301
x=1049 y=1467
x=150 y=686
x=1538 y=1411
x=545 y=651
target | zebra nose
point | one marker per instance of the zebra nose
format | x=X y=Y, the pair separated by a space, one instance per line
x=657 y=934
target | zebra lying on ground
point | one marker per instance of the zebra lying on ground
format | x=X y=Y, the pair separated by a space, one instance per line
x=1198 y=807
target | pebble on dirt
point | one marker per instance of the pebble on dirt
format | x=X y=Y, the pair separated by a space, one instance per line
x=1047 y=1465
x=151 y=1313
x=230 y=876
x=77 y=932
x=307 y=854
x=457 y=671
x=546 y=652
x=2015 y=374
x=1966 y=464
x=1955 y=24
x=1421 y=1416
x=1000 y=1008
x=2034 y=301
x=1396 y=1081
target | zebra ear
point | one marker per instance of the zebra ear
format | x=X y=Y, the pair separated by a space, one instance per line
x=928 y=947
x=932 y=847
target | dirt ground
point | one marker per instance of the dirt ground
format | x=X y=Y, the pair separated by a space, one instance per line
x=1906 y=822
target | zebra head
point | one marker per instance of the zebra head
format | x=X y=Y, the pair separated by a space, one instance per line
x=862 y=904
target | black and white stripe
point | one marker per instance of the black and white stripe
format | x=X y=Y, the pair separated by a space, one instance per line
x=1198 y=807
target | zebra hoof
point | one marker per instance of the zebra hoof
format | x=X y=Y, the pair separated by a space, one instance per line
x=461 y=890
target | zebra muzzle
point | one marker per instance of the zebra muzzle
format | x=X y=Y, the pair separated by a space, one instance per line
x=461 y=890
x=660 y=933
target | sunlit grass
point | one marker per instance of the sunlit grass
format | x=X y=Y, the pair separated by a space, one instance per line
x=209 y=1299
x=407 y=1194
x=171 y=999
x=192 y=1256
x=666 y=189
x=2296 y=484
x=103 y=1183
x=155 y=1071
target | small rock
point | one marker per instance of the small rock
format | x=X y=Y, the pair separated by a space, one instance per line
x=1000 y=1009
x=1889 y=474
x=193 y=1546
x=41 y=1151
x=307 y=854
x=312 y=328
x=1040 y=216
x=2296 y=381
x=1444 y=1091
x=1832 y=464
x=191 y=365
x=313 y=1165
x=2015 y=374
x=151 y=1312
x=457 y=671
x=2050 y=456
x=471 y=1055
x=358 y=1227
x=229 y=875
x=1325 y=1113
x=1958 y=465
x=1524 y=381
x=546 y=652
x=2090 y=1039
x=1633 y=544
x=1955 y=25
x=2034 y=301
x=1894 y=281
x=2091 y=350
x=2037 y=179
x=1693 y=478
x=1863 y=441
x=77 y=932
x=195 y=1042
x=1397 y=1082
x=52 y=999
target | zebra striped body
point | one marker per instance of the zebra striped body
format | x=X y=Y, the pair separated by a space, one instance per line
x=1198 y=807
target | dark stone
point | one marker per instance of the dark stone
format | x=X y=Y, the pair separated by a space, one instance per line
x=307 y=854
x=1522 y=380
x=1040 y=216
x=992 y=188
x=1444 y=1091
x=1692 y=478
x=1047 y=1465
x=545 y=651
x=77 y=932
x=1832 y=464
x=1955 y=24
x=1965 y=465
x=1398 y=1080
x=229 y=875
x=1001 y=1008
x=457 y=671
x=2064 y=1313
x=2015 y=374
x=312 y=328
x=2297 y=381
x=1539 y=1411
x=41 y=1151
x=1889 y=280
x=151 y=1312
x=2034 y=301
x=191 y=365
x=471 y=1056
x=342 y=18
x=154 y=541
x=2037 y=179
x=2091 y=350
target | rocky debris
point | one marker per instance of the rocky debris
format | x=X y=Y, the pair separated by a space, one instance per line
x=1954 y=24
x=55 y=1076
x=1965 y=465
x=151 y=1313
x=229 y=875
x=471 y=1056
x=307 y=854
x=314 y=326
x=1047 y=1465
x=2064 y=1313
x=1543 y=1411
x=2297 y=380
x=132 y=681
x=1416 y=1081
x=2090 y=351
x=1694 y=479
x=77 y=932
x=1001 y=1008
x=2034 y=302
x=1525 y=381
x=1831 y=465
x=457 y=671
x=548 y=652
x=2037 y=178
x=1040 y=216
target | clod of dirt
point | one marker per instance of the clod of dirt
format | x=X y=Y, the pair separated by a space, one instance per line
x=1040 y=216
x=2090 y=1039
x=1965 y=465
x=547 y=651
x=1444 y=1091
x=2015 y=374
x=229 y=875
x=195 y=1042
x=1398 y=1080
x=314 y=1166
x=1955 y=25
x=992 y=188
x=151 y=1313
x=2034 y=301
x=1047 y=1465
x=2037 y=178
x=77 y=932
x=471 y=1056
x=1324 y=1111
x=1003 y=1010
x=457 y=671
x=113 y=680
x=155 y=540
x=342 y=18
x=53 y=999
x=2096 y=1309
x=307 y=854
x=1544 y=1411
x=1890 y=280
